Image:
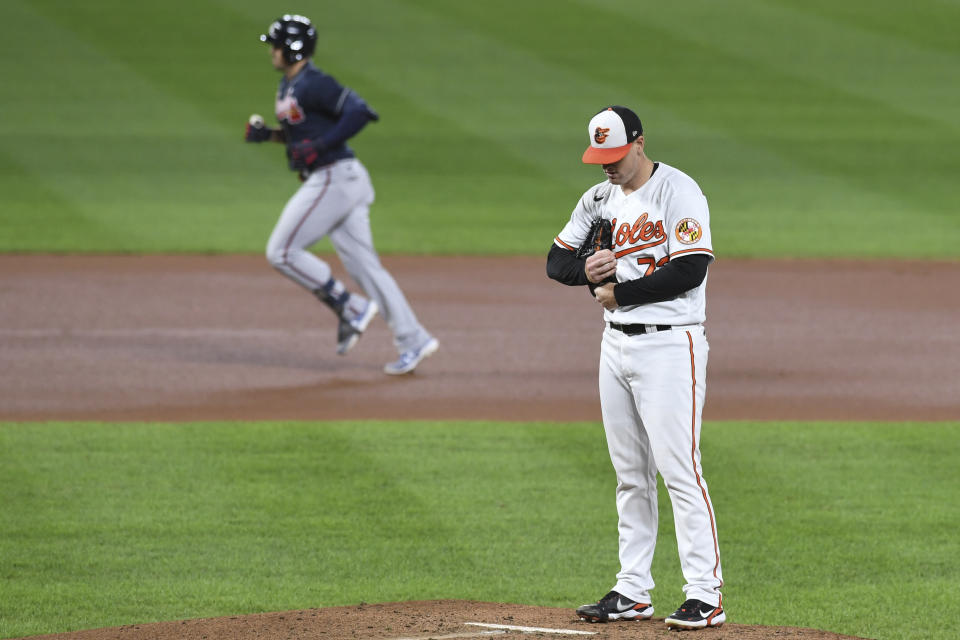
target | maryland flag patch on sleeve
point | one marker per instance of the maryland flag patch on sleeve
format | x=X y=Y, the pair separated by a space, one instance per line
x=689 y=231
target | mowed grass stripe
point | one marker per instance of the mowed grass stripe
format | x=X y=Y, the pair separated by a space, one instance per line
x=846 y=527
x=850 y=55
x=754 y=132
x=930 y=25
x=129 y=165
x=478 y=149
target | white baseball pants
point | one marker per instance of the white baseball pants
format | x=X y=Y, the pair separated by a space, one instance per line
x=652 y=388
x=335 y=201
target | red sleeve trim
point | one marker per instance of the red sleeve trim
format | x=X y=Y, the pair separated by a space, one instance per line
x=680 y=253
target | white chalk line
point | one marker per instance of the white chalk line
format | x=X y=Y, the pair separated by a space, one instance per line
x=510 y=627
x=499 y=629
x=450 y=636
x=152 y=332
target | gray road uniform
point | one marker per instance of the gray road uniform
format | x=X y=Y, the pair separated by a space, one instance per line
x=317 y=116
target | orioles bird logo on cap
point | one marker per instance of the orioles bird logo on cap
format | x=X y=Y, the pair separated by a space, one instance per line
x=600 y=135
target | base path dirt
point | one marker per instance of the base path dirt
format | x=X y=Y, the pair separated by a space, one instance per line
x=227 y=338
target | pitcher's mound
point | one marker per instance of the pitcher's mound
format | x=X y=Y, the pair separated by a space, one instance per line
x=433 y=619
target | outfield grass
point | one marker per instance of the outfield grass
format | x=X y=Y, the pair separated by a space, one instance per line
x=816 y=128
x=846 y=527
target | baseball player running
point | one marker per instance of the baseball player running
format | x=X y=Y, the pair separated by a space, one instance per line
x=317 y=116
x=653 y=361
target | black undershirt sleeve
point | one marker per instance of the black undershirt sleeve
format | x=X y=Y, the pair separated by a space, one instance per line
x=564 y=266
x=669 y=281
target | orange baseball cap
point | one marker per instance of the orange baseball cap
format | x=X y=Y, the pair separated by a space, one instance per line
x=611 y=132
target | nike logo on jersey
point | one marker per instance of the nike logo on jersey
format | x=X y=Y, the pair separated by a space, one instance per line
x=597 y=198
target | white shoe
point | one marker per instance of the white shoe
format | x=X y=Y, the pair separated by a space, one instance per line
x=409 y=360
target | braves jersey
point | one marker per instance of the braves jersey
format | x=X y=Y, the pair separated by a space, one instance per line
x=666 y=218
x=309 y=106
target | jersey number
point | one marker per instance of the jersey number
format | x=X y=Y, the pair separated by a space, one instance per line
x=652 y=264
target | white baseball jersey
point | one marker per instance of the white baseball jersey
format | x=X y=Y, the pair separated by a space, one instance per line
x=665 y=218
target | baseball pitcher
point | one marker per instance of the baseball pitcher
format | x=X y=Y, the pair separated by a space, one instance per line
x=640 y=241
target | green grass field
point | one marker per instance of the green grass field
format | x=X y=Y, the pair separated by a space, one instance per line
x=816 y=128
x=846 y=527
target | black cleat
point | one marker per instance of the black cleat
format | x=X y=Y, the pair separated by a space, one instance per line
x=696 y=614
x=614 y=606
x=347 y=337
x=353 y=323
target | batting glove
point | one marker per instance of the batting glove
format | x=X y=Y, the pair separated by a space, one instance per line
x=257 y=133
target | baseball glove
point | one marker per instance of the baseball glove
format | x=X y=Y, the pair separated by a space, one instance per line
x=598 y=238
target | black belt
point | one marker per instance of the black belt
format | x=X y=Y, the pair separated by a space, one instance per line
x=634 y=329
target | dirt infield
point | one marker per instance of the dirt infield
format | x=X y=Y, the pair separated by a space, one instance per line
x=224 y=337
x=195 y=338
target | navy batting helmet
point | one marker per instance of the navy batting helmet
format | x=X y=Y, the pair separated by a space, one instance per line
x=295 y=35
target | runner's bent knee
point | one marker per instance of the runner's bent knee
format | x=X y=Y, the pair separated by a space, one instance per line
x=277 y=253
